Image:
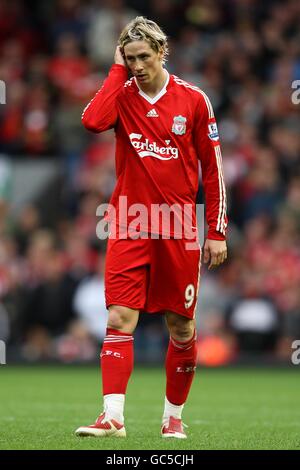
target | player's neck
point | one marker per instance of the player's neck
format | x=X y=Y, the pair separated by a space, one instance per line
x=152 y=89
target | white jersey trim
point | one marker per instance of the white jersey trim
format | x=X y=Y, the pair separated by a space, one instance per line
x=181 y=82
x=198 y=283
x=221 y=225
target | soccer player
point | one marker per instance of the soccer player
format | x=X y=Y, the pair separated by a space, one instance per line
x=164 y=127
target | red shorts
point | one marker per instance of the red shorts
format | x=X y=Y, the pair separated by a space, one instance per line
x=153 y=275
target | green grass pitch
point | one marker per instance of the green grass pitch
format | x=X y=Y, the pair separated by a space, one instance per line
x=40 y=407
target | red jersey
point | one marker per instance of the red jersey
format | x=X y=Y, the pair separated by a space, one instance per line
x=159 y=143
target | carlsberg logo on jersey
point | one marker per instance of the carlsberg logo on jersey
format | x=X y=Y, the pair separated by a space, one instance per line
x=146 y=149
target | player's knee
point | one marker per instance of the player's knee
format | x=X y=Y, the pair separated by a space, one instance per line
x=122 y=319
x=181 y=329
x=183 y=334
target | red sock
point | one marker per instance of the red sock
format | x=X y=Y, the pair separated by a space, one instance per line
x=116 y=361
x=180 y=369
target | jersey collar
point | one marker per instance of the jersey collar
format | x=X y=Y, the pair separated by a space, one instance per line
x=162 y=92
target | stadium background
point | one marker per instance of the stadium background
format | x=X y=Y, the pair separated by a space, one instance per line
x=54 y=56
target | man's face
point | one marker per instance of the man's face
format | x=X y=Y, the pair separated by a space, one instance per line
x=143 y=62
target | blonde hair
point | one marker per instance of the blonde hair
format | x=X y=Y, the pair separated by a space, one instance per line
x=142 y=29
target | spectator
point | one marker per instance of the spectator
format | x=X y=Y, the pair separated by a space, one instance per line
x=106 y=22
x=89 y=304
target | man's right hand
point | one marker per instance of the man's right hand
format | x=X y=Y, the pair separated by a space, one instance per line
x=119 y=59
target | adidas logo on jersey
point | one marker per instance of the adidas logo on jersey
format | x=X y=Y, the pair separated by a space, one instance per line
x=152 y=113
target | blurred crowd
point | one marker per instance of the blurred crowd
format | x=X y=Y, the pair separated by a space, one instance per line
x=245 y=54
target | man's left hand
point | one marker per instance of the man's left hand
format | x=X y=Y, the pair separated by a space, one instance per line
x=215 y=252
